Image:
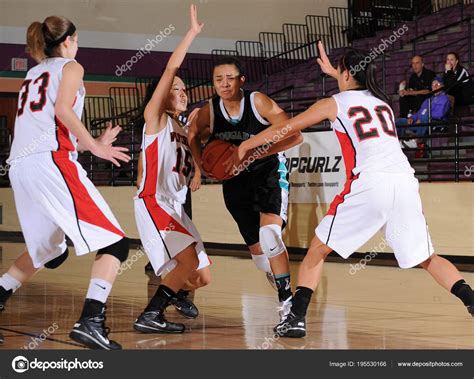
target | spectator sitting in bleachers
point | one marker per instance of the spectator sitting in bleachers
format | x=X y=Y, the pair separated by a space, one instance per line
x=419 y=83
x=456 y=72
x=440 y=107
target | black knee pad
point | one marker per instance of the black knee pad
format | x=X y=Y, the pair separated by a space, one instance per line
x=119 y=249
x=58 y=261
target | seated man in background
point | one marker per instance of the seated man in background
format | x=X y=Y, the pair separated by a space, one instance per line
x=440 y=107
x=419 y=83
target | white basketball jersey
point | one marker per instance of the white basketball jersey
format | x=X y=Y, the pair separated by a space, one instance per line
x=366 y=131
x=37 y=128
x=167 y=163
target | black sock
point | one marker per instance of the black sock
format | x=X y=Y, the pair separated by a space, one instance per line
x=463 y=291
x=283 y=283
x=301 y=301
x=92 y=308
x=160 y=300
x=182 y=294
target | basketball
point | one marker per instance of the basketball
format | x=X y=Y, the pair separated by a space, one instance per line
x=214 y=156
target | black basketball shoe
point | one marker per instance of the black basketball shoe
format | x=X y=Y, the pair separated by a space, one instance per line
x=92 y=332
x=470 y=309
x=292 y=326
x=184 y=305
x=4 y=296
x=155 y=322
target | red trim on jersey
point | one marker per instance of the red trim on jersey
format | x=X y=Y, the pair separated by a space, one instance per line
x=162 y=220
x=64 y=140
x=339 y=199
x=348 y=154
x=151 y=171
x=86 y=209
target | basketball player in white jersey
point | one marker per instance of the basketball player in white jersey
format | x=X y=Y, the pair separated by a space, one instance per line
x=169 y=237
x=381 y=190
x=53 y=195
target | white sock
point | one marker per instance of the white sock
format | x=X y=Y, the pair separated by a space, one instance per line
x=262 y=262
x=99 y=290
x=9 y=282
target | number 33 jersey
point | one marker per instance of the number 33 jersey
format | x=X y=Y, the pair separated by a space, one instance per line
x=37 y=129
x=167 y=163
x=366 y=131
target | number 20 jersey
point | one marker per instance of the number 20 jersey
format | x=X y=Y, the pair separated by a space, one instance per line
x=167 y=163
x=37 y=129
x=366 y=131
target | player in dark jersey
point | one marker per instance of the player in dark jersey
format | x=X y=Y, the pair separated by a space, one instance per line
x=257 y=197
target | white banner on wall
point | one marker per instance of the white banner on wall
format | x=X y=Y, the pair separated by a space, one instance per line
x=316 y=168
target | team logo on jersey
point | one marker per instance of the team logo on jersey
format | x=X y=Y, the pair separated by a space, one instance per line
x=233 y=135
x=179 y=138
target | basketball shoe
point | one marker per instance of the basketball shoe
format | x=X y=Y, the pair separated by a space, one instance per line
x=155 y=322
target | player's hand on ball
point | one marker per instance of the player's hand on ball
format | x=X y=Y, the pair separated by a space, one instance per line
x=111 y=153
x=196 y=26
x=231 y=165
x=195 y=181
x=324 y=61
x=109 y=135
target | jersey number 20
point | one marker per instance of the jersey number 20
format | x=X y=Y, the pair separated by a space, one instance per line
x=380 y=111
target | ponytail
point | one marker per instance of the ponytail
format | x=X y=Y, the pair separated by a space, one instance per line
x=43 y=39
x=362 y=68
x=35 y=45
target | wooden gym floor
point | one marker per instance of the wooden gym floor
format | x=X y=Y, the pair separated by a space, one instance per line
x=377 y=308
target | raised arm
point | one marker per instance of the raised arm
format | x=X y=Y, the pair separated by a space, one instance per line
x=155 y=109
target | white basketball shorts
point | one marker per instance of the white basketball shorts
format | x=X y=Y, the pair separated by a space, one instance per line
x=166 y=230
x=54 y=198
x=374 y=201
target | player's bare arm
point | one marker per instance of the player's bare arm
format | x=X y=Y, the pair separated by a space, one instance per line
x=155 y=112
x=270 y=110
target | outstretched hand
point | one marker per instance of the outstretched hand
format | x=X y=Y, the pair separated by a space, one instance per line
x=196 y=26
x=324 y=61
x=109 y=135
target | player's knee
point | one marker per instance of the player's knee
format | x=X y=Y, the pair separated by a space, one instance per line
x=426 y=263
x=204 y=277
x=271 y=240
x=118 y=250
x=58 y=261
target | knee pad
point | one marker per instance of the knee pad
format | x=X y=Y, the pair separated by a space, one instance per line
x=58 y=261
x=119 y=249
x=271 y=241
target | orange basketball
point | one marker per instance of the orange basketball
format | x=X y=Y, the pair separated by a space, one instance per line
x=214 y=156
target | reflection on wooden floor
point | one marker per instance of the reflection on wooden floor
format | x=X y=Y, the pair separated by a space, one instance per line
x=377 y=308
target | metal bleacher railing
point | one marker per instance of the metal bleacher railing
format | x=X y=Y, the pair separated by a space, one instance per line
x=271 y=54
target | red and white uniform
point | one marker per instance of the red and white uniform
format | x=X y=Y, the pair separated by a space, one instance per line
x=53 y=195
x=165 y=229
x=381 y=190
